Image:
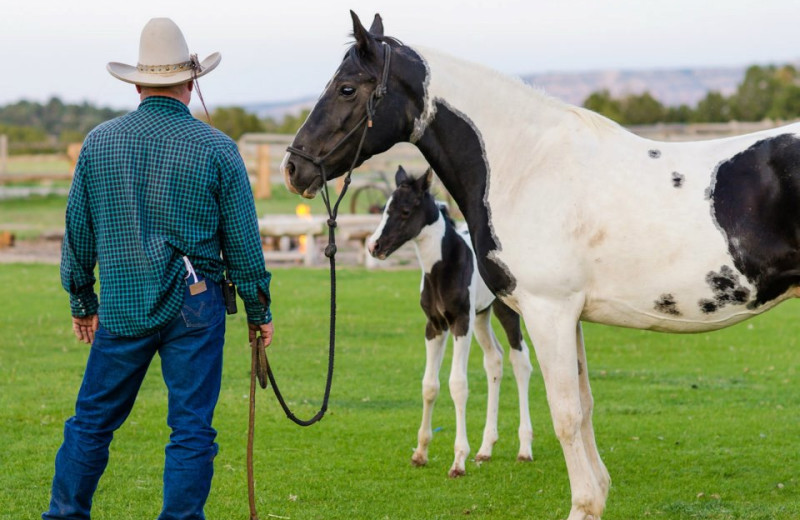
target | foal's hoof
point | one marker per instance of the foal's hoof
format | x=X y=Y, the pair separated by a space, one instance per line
x=482 y=458
x=456 y=472
x=524 y=458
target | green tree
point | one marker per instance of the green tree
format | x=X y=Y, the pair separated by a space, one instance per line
x=753 y=98
x=235 y=121
x=642 y=109
x=602 y=103
x=714 y=108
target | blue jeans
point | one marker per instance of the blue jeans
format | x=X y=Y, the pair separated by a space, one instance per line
x=190 y=348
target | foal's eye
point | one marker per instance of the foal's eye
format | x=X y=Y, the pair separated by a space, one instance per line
x=404 y=214
x=347 y=91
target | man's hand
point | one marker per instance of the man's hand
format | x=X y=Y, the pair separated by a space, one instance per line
x=266 y=331
x=84 y=328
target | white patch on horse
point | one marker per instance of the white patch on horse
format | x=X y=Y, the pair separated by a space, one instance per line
x=428 y=111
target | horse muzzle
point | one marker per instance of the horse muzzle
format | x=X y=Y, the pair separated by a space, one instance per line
x=300 y=177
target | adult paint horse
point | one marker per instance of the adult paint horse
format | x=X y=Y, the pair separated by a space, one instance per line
x=572 y=217
x=454 y=299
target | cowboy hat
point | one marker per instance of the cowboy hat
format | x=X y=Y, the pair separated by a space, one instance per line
x=164 y=58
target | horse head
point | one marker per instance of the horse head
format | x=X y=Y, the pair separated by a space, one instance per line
x=370 y=104
x=410 y=208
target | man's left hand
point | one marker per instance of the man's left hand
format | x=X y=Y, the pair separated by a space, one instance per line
x=84 y=328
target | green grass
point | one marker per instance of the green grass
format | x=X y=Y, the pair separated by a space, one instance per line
x=690 y=426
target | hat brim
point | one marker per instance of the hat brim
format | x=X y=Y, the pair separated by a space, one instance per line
x=131 y=74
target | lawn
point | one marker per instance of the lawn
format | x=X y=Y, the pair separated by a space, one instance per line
x=690 y=426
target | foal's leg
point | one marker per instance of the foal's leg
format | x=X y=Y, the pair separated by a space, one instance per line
x=434 y=348
x=493 y=365
x=521 y=363
x=587 y=404
x=459 y=393
x=553 y=327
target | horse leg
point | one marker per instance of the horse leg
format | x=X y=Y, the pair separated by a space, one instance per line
x=521 y=363
x=459 y=393
x=553 y=325
x=434 y=348
x=587 y=405
x=493 y=365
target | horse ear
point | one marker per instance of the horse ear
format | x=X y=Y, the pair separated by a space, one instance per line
x=376 y=29
x=424 y=182
x=364 y=41
x=401 y=176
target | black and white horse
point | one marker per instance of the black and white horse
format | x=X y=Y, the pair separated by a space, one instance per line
x=572 y=217
x=455 y=300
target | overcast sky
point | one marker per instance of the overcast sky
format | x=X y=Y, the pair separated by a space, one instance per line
x=284 y=50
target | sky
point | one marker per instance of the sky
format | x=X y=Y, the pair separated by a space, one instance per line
x=279 y=51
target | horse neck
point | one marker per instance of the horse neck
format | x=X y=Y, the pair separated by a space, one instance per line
x=470 y=110
x=428 y=242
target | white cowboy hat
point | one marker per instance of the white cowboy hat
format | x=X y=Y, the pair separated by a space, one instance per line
x=164 y=58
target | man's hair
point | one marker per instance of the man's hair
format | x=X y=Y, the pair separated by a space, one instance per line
x=171 y=89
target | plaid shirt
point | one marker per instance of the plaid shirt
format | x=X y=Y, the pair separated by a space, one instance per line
x=150 y=187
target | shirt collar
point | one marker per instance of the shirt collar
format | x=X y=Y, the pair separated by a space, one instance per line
x=162 y=102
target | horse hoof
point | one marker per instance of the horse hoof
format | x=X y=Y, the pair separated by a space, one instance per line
x=524 y=458
x=482 y=458
x=456 y=472
x=419 y=460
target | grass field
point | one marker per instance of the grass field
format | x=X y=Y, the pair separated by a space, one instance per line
x=690 y=426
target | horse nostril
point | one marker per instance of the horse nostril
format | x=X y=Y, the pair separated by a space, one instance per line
x=290 y=167
x=372 y=245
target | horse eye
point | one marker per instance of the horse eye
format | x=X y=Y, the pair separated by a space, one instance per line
x=404 y=214
x=347 y=91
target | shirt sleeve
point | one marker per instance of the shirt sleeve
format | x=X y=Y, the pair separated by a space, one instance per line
x=241 y=240
x=79 y=249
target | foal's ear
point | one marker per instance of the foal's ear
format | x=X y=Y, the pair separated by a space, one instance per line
x=365 y=43
x=376 y=29
x=401 y=176
x=425 y=180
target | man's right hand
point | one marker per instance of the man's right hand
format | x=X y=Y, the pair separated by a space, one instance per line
x=266 y=330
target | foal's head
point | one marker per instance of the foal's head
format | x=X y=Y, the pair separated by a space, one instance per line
x=410 y=208
x=379 y=80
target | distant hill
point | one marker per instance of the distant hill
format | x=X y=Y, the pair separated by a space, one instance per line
x=672 y=87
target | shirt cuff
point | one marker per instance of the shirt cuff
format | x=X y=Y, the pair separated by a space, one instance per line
x=83 y=303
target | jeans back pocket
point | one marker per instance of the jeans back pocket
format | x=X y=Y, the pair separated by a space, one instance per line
x=201 y=310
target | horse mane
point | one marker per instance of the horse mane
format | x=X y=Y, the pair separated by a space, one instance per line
x=444 y=209
x=589 y=118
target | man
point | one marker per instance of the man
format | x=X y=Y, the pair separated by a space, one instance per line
x=157 y=198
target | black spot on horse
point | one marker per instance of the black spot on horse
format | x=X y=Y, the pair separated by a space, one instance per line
x=677 y=179
x=654 y=154
x=666 y=304
x=755 y=200
x=726 y=288
x=466 y=177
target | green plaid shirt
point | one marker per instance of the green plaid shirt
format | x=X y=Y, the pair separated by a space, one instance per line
x=150 y=187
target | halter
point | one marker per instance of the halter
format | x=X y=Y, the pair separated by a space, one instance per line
x=330 y=250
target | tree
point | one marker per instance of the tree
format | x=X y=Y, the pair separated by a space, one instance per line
x=713 y=108
x=642 y=109
x=602 y=103
x=235 y=121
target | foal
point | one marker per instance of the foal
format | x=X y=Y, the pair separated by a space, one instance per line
x=454 y=298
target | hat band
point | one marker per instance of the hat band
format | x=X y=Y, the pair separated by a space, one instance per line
x=164 y=69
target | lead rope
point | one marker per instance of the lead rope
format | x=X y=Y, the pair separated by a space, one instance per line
x=259 y=364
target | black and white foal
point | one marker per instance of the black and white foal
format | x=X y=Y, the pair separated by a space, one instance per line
x=455 y=299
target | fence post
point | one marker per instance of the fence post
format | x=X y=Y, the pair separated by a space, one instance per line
x=263 y=184
x=3 y=153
